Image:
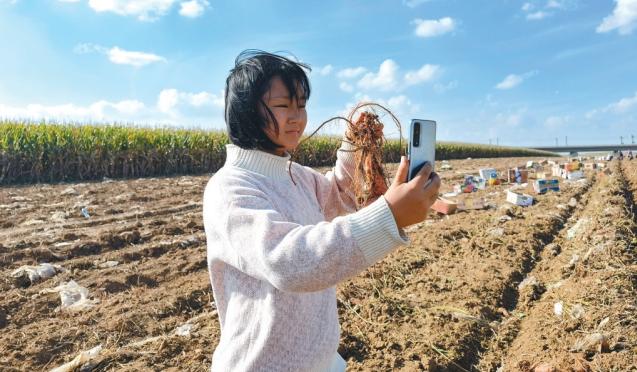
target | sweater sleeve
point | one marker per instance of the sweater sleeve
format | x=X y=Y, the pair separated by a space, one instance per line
x=334 y=190
x=297 y=258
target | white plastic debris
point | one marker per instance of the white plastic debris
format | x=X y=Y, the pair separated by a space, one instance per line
x=184 y=330
x=32 y=222
x=558 y=308
x=577 y=311
x=574 y=231
x=84 y=211
x=504 y=218
x=74 y=297
x=69 y=191
x=529 y=280
x=36 y=273
x=603 y=322
x=574 y=260
x=58 y=216
x=82 y=358
x=107 y=264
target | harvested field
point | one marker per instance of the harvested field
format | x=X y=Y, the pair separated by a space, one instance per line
x=476 y=290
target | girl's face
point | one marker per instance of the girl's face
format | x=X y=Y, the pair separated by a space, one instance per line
x=289 y=113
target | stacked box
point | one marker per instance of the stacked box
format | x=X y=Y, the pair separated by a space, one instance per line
x=488 y=173
x=576 y=175
x=543 y=185
x=471 y=203
x=524 y=175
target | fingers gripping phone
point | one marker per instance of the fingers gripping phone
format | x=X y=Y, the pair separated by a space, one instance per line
x=422 y=145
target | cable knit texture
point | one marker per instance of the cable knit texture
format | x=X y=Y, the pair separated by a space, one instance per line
x=277 y=247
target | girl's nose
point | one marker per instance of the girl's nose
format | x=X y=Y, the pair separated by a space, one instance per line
x=295 y=114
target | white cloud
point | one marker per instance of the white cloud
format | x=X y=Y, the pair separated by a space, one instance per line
x=193 y=8
x=425 y=73
x=624 y=18
x=433 y=27
x=350 y=73
x=441 y=88
x=172 y=106
x=622 y=106
x=513 y=80
x=414 y=3
x=137 y=59
x=509 y=82
x=144 y=10
x=507 y=119
x=169 y=101
x=537 y=15
x=554 y=4
x=401 y=106
x=120 y=56
x=149 y=10
x=325 y=70
x=388 y=77
x=384 y=79
x=99 y=111
x=345 y=87
x=557 y=121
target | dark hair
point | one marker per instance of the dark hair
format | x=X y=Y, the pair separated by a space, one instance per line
x=245 y=86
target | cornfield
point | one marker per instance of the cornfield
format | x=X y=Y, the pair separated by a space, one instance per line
x=44 y=152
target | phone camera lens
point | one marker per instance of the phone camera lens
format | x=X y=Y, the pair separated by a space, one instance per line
x=416 y=140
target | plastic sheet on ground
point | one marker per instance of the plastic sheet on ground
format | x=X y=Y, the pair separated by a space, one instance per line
x=36 y=273
x=82 y=358
x=74 y=297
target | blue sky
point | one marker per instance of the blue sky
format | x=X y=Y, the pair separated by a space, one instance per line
x=516 y=72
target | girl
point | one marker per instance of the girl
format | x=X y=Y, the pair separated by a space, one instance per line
x=279 y=242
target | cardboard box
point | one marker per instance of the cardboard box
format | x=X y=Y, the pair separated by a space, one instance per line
x=523 y=200
x=488 y=173
x=590 y=166
x=471 y=203
x=575 y=175
x=524 y=175
x=444 y=206
x=543 y=185
x=574 y=166
x=557 y=171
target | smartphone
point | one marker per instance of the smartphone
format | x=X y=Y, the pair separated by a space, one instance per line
x=422 y=145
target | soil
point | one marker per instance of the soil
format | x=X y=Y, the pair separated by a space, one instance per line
x=475 y=290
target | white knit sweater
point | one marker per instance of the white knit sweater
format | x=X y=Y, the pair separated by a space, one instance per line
x=276 y=251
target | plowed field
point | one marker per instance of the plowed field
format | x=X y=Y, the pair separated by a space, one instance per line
x=505 y=288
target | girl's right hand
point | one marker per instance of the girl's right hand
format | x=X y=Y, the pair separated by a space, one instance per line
x=410 y=201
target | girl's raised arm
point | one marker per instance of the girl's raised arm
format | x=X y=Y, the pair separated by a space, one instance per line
x=298 y=258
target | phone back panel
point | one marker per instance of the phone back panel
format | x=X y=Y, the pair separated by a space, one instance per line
x=425 y=150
